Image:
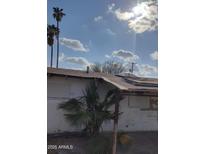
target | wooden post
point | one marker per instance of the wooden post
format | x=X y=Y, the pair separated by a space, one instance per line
x=114 y=145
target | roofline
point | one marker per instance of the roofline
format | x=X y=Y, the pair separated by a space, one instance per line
x=102 y=76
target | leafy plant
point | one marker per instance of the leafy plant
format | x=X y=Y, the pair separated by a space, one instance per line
x=89 y=110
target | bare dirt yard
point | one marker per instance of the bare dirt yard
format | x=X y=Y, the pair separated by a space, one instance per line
x=142 y=143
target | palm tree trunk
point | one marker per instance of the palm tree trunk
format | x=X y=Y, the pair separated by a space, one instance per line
x=57 y=45
x=114 y=145
x=51 y=56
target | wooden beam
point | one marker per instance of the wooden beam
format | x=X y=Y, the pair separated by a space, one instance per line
x=138 y=93
x=114 y=145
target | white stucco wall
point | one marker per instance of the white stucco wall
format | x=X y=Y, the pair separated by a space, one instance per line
x=133 y=118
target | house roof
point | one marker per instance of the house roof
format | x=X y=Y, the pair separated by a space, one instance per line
x=141 y=81
x=125 y=84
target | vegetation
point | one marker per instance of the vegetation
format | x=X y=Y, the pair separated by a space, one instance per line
x=110 y=67
x=58 y=15
x=89 y=110
x=97 y=67
x=51 y=32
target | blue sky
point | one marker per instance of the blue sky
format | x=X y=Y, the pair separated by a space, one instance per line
x=99 y=30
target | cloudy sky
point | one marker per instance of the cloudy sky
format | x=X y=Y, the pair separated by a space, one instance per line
x=99 y=30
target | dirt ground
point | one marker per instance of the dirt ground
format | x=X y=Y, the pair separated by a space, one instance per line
x=142 y=143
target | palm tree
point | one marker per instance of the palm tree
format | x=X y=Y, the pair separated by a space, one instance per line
x=51 y=32
x=91 y=111
x=58 y=15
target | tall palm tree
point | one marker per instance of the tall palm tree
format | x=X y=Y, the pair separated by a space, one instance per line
x=58 y=15
x=51 y=32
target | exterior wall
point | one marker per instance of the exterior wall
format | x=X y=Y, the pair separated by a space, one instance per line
x=60 y=89
x=133 y=118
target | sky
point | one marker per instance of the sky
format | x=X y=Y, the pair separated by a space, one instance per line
x=93 y=31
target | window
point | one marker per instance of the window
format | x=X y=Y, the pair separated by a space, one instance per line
x=153 y=104
x=138 y=102
x=144 y=103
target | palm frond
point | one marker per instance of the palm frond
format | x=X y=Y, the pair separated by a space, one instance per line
x=52 y=30
x=71 y=105
x=112 y=97
x=104 y=115
x=58 y=13
x=89 y=111
x=50 y=40
x=78 y=118
x=91 y=95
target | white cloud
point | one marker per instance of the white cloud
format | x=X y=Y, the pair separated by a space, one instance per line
x=110 y=8
x=154 y=55
x=123 y=15
x=107 y=56
x=62 y=57
x=75 y=45
x=125 y=55
x=98 y=18
x=75 y=60
x=119 y=14
x=142 y=70
x=110 y=32
x=146 y=70
x=143 y=17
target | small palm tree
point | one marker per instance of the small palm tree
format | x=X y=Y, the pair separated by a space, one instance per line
x=58 y=15
x=91 y=111
x=51 y=32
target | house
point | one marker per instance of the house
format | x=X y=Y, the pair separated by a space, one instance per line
x=139 y=106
